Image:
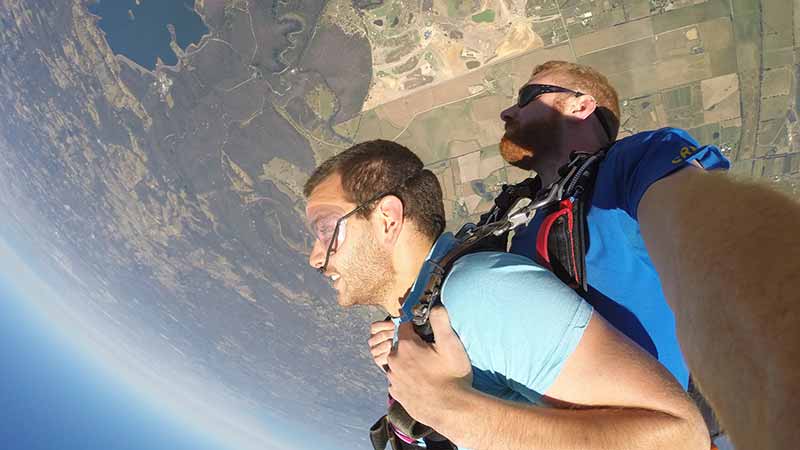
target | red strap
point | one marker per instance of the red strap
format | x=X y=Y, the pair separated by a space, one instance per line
x=542 y=237
x=544 y=233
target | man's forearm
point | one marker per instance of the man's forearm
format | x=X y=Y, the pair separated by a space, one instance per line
x=481 y=422
x=728 y=255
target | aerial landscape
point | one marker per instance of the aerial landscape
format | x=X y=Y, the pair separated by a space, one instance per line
x=156 y=181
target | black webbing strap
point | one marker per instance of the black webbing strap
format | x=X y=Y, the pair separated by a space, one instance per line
x=381 y=435
x=582 y=189
x=556 y=243
x=436 y=441
x=406 y=424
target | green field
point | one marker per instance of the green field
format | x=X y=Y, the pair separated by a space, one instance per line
x=322 y=101
x=458 y=8
x=723 y=61
x=486 y=16
x=678 y=98
x=709 y=134
x=689 y=15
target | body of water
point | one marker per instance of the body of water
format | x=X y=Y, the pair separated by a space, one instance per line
x=139 y=31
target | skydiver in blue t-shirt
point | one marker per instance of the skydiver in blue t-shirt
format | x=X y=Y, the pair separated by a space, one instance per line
x=662 y=228
x=623 y=283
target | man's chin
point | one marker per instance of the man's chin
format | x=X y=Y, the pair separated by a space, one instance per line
x=344 y=302
x=345 y=299
x=515 y=154
x=342 y=298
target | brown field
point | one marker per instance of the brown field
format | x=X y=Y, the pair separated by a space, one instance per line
x=774 y=108
x=683 y=70
x=490 y=132
x=721 y=98
x=614 y=36
x=487 y=108
x=636 y=82
x=461 y=148
x=490 y=164
x=457 y=88
x=401 y=111
x=521 y=67
x=676 y=43
x=717 y=34
x=444 y=172
x=469 y=166
x=776 y=82
x=633 y=55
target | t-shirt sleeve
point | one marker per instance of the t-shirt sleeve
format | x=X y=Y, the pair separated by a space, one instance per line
x=517 y=321
x=640 y=160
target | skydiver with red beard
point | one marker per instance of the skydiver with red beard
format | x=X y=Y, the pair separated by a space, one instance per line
x=676 y=252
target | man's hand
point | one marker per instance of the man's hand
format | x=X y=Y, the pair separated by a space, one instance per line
x=427 y=379
x=380 y=341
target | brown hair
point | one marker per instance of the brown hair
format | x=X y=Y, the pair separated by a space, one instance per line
x=381 y=166
x=588 y=80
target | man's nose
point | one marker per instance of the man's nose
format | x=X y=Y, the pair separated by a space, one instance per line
x=317 y=257
x=508 y=114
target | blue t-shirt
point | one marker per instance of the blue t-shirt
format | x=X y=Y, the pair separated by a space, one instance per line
x=517 y=321
x=623 y=284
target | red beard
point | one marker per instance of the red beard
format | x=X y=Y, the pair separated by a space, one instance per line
x=515 y=154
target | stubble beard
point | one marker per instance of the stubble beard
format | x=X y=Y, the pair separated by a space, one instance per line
x=367 y=274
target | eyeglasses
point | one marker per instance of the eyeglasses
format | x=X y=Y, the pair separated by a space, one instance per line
x=334 y=235
x=531 y=92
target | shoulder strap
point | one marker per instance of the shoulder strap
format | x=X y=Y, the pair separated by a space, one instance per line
x=562 y=239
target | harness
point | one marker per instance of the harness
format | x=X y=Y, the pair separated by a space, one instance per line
x=561 y=246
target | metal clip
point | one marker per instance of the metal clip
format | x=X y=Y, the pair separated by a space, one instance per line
x=421 y=311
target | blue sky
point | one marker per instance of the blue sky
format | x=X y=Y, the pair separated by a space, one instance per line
x=55 y=397
x=61 y=389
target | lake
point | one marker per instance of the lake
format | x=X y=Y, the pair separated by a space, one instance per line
x=139 y=31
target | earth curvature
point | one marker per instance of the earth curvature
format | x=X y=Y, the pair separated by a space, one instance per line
x=160 y=189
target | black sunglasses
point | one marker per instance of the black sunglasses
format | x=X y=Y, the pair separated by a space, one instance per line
x=376 y=197
x=531 y=92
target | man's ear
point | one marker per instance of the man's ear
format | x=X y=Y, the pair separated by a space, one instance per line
x=390 y=218
x=581 y=107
